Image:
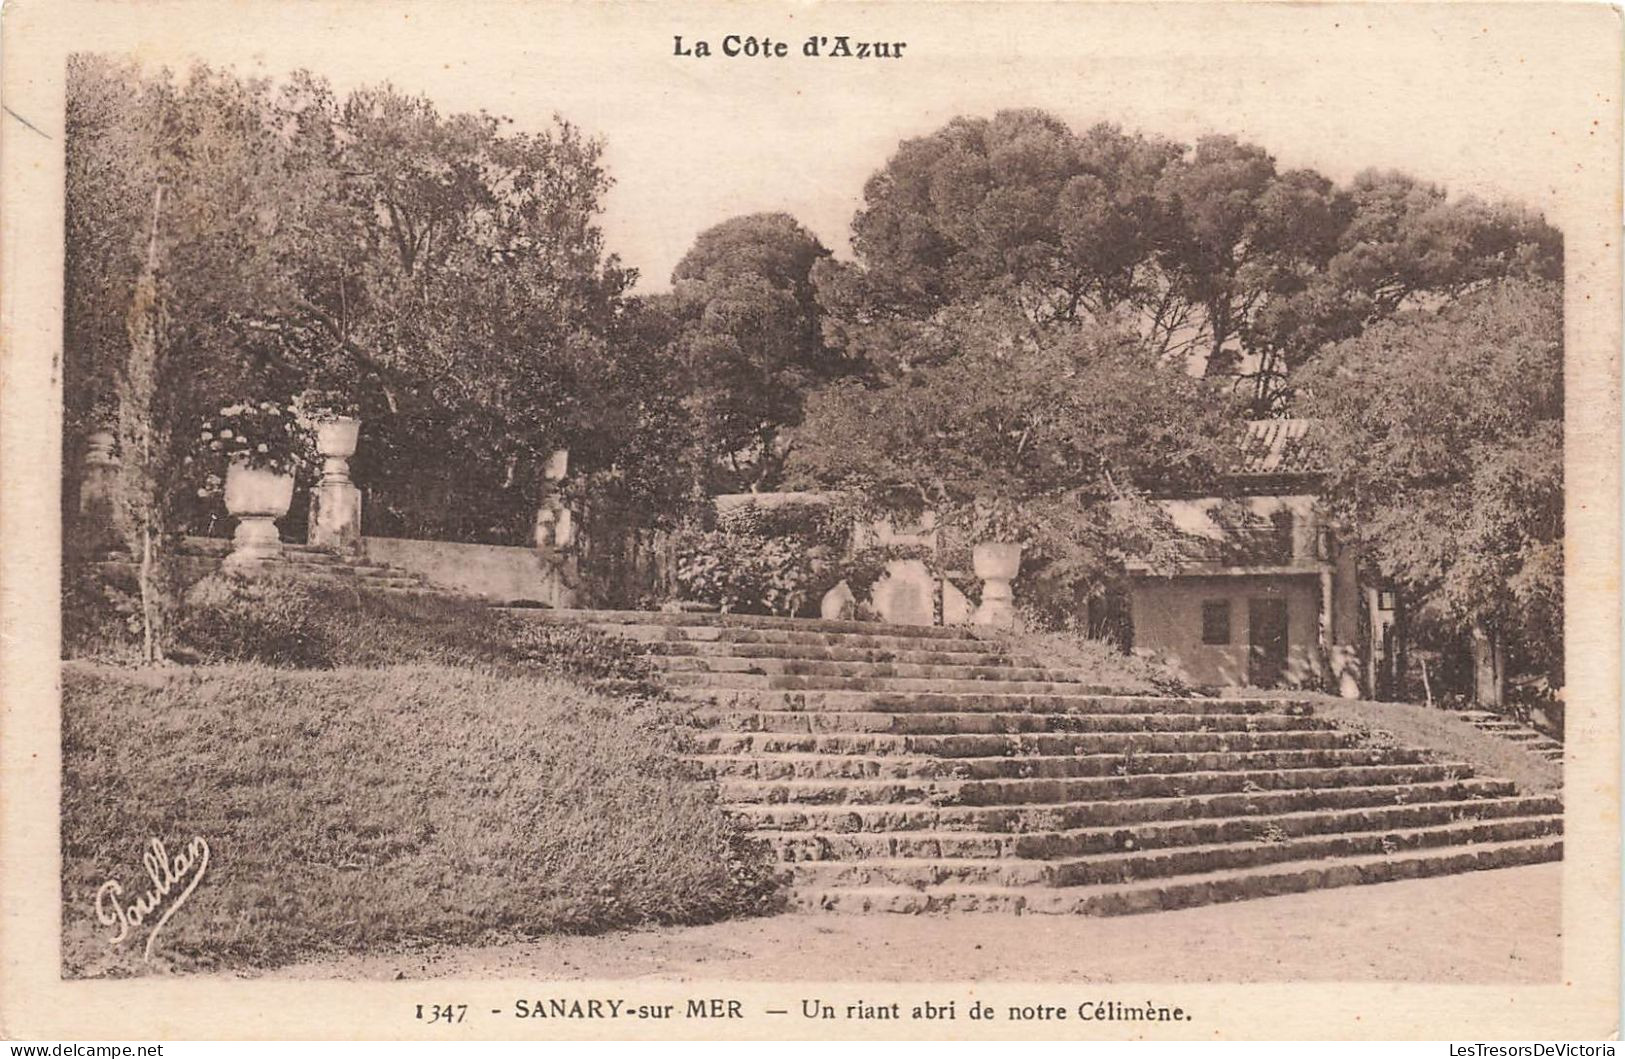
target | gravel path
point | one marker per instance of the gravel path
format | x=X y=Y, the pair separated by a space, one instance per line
x=1480 y=928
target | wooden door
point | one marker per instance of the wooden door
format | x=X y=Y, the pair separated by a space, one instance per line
x=1266 y=642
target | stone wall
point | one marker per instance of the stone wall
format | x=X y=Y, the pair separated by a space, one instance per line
x=493 y=571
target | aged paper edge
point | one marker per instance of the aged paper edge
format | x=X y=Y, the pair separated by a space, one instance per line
x=36 y=1004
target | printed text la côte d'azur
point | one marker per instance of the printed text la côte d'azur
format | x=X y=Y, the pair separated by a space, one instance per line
x=739 y=46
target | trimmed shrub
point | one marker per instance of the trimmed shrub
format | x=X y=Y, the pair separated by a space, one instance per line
x=778 y=560
x=741 y=572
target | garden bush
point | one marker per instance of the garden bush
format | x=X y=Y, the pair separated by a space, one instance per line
x=101 y=614
x=740 y=572
x=276 y=619
x=779 y=560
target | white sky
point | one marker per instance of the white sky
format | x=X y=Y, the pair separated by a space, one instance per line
x=1462 y=95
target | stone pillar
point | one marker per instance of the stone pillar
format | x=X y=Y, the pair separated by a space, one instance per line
x=997 y=564
x=97 y=529
x=1345 y=665
x=555 y=533
x=335 y=502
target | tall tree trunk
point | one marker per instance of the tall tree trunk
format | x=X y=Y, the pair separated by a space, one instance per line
x=142 y=439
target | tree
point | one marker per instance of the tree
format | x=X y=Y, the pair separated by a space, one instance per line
x=1056 y=443
x=1017 y=208
x=446 y=274
x=1218 y=259
x=458 y=282
x=172 y=193
x=1444 y=443
x=750 y=339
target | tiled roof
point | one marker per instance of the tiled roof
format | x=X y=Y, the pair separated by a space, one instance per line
x=1277 y=446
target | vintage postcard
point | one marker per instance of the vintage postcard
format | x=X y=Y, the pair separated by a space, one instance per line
x=538 y=520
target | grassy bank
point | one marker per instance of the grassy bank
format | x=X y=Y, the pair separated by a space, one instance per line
x=356 y=809
x=282 y=620
x=1095 y=661
x=1449 y=737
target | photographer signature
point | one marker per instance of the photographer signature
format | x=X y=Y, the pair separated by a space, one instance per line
x=167 y=873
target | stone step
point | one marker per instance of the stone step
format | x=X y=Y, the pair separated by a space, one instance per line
x=1136 y=865
x=313 y=562
x=1066 y=816
x=369 y=580
x=795 y=846
x=979 y=722
x=950 y=747
x=693 y=670
x=1090 y=788
x=820 y=652
x=1188 y=891
x=679 y=635
x=815 y=766
x=854 y=722
x=304 y=556
x=991 y=702
x=915 y=767
x=785 y=682
x=749 y=621
x=1531 y=739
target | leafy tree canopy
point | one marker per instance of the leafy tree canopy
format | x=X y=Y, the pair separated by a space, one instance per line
x=1056 y=442
x=444 y=275
x=1213 y=254
x=1444 y=444
x=749 y=336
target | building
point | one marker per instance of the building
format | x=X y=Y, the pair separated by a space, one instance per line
x=1261 y=593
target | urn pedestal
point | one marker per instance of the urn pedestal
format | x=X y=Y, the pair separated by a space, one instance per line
x=256 y=497
x=838 y=604
x=335 y=502
x=97 y=525
x=996 y=563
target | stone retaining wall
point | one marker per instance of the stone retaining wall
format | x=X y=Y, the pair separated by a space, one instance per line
x=496 y=572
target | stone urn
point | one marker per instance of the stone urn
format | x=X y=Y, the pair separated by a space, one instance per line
x=335 y=502
x=256 y=497
x=336 y=439
x=996 y=563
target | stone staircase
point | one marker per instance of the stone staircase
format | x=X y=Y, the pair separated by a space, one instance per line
x=915 y=769
x=201 y=556
x=1531 y=739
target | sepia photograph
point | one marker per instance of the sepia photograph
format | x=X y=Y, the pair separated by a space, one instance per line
x=862 y=494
